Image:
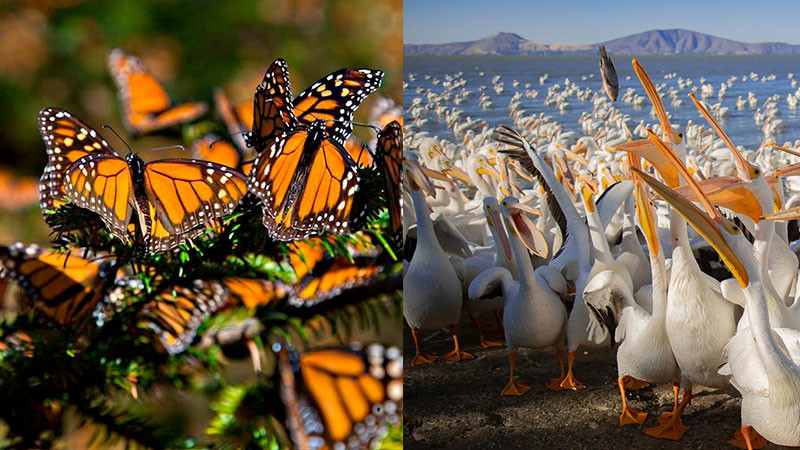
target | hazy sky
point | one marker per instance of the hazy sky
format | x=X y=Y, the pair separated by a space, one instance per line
x=589 y=22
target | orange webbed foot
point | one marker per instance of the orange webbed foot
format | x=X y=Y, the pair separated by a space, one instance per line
x=488 y=343
x=671 y=429
x=563 y=384
x=756 y=440
x=458 y=355
x=632 y=415
x=515 y=388
x=420 y=359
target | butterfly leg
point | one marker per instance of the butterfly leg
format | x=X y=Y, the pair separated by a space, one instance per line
x=457 y=354
x=420 y=358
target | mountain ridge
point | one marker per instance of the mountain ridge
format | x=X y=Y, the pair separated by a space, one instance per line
x=675 y=41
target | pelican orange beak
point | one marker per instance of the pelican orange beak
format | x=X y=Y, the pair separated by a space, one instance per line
x=492 y=211
x=669 y=133
x=455 y=172
x=648 y=150
x=709 y=224
x=416 y=177
x=487 y=169
x=746 y=171
x=727 y=192
x=436 y=175
x=791 y=213
x=520 y=225
x=644 y=211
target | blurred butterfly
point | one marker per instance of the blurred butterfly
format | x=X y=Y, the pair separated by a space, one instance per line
x=308 y=183
x=341 y=397
x=174 y=199
x=64 y=287
x=146 y=107
x=211 y=148
x=252 y=292
x=359 y=151
x=390 y=161
x=322 y=276
x=17 y=192
x=238 y=118
x=175 y=314
x=333 y=99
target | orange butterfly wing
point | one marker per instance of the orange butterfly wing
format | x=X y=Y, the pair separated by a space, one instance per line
x=238 y=119
x=335 y=99
x=342 y=397
x=180 y=195
x=65 y=287
x=146 y=105
x=272 y=107
x=186 y=194
x=17 y=192
x=359 y=152
x=102 y=183
x=212 y=148
x=67 y=139
x=390 y=160
x=175 y=314
x=308 y=184
x=254 y=292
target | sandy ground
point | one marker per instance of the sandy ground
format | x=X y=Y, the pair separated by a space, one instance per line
x=458 y=405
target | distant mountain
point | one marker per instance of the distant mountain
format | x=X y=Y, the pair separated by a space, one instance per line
x=657 y=42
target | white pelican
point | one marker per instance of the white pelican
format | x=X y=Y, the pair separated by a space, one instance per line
x=763 y=361
x=574 y=259
x=431 y=289
x=533 y=315
x=644 y=353
x=699 y=320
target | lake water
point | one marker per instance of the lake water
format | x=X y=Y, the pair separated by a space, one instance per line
x=740 y=125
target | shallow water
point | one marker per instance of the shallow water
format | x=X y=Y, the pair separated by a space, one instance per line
x=740 y=125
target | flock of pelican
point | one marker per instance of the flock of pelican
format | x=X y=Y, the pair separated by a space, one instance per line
x=605 y=240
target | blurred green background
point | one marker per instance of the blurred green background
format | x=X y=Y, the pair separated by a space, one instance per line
x=53 y=53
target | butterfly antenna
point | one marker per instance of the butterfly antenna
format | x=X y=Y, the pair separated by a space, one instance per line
x=361 y=124
x=179 y=146
x=107 y=126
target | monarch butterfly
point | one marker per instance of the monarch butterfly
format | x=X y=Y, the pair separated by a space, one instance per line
x=64 y=287
x=254 y=292
x=341 y=397
x=17 y=192
x=308 y=183
x=390 y=160
x=212 y=148
x=333 y=99
x=175 y=314
x=173 y=198
x=322 y=276
x=146 y=107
